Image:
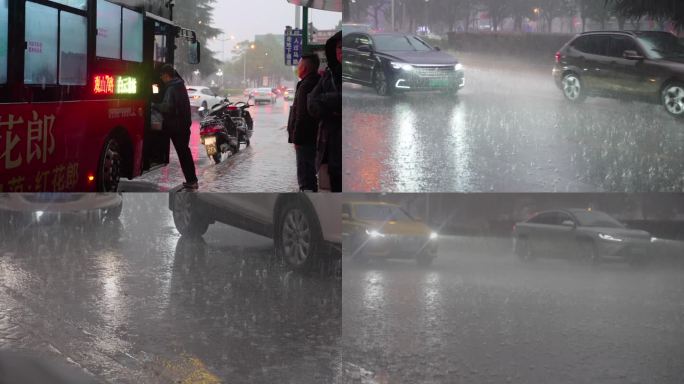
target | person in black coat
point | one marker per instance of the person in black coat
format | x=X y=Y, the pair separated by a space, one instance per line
x=175 y=109
x=325 y=104
x=305 y=127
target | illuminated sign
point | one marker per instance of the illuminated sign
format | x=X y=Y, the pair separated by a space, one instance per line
x=126 y=84
x=109 y=85
x=103 y=85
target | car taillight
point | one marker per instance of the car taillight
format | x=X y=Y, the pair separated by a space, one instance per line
x=558 y=57
x=195 y=97
x=232 y=108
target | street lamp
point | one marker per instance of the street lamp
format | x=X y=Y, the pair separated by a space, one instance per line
x=223 y=45
x=244 y=51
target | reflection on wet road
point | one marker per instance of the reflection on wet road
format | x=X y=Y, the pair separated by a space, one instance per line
x=507 y=131
x=132 y=302
x=480 y=316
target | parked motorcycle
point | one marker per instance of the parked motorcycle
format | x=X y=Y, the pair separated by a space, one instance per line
x=242 y=120
x=218 y=132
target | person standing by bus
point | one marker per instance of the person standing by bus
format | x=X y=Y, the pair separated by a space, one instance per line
x=304 y=127
x=325 y=104
x=175 y=108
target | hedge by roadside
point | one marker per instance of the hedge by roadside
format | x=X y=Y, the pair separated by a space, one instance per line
x=521 y=45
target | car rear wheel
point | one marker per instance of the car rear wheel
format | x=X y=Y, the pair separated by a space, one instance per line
x=380 y=83
x=110 y=166
x=187 y=217
x=573 y=88
x=298 y=235
x=673 y=99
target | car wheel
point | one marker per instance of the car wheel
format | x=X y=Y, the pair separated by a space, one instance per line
x=573 y=88
x=523 y=250
x=187 y=217
x=590 y=252
x=673 y=99
x=110 y=166
x=298 y=236
x=380 y=83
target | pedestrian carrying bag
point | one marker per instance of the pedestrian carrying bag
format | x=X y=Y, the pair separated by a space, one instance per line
x=156 y=120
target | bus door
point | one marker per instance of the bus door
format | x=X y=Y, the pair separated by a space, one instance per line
x=159 y=45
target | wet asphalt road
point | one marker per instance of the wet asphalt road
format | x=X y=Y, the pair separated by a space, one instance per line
x=268 y=165
x=133 y=302
x=508 y=130
x=480 y=316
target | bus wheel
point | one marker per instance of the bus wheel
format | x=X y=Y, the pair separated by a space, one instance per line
x=109 y=170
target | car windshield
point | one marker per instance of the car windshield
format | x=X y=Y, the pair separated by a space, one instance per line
x=662 y=45
x=596 y=219
x=400 y=43
x=375 y=212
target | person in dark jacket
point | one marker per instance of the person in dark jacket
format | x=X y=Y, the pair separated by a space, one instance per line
x=305 y=127
x=325 y=104
x=175 y=108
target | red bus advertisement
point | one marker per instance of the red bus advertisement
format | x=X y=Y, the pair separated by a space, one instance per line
x=76 y=81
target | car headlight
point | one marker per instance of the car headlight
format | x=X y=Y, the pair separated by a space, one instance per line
x=654 y=239
x=433 y=235
x=374 y=233
x=606 y=237
x=458 y=67
x=404 y=66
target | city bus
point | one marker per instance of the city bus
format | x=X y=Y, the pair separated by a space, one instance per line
x=76 y=81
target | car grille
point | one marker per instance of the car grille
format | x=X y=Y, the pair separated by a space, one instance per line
x=52 y=197
x=434 y=71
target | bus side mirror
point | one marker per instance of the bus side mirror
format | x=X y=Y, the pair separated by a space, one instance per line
x=194 y=53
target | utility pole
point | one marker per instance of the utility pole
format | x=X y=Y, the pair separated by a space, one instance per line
x=393 y=29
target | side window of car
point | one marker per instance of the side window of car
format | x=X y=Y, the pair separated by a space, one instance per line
x=364 y=40
x=619 y=44
x=562 y=217
x=349 y=41
x=207 y=92
x=593 y=44
x=544 y=218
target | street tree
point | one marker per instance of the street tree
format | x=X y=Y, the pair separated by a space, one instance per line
x=196 y=15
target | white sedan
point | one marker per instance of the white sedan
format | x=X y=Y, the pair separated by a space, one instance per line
x=305 y=227
x=202 y=97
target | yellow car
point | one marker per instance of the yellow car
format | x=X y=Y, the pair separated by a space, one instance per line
x=384 y=230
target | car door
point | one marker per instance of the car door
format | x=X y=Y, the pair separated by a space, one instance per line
x=366 y=60
x=624 y=76
x=254 y=206
x=539 y=230
x=563 y=235
x=587 y=53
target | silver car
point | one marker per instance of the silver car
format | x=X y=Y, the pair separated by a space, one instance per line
x=305 y=227
x=582 y=234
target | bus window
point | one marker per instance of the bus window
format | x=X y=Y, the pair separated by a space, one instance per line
x=40 y=59
x=132 y=36
x=80 y=4
x=108 y=30
x=73 y=47
x=4 y=26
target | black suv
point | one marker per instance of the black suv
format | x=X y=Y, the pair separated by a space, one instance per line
x=647 y=66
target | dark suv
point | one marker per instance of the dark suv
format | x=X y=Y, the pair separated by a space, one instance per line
x=647 y=66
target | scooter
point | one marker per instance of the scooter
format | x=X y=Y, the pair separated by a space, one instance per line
x=242 y=120
x=218 y=132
